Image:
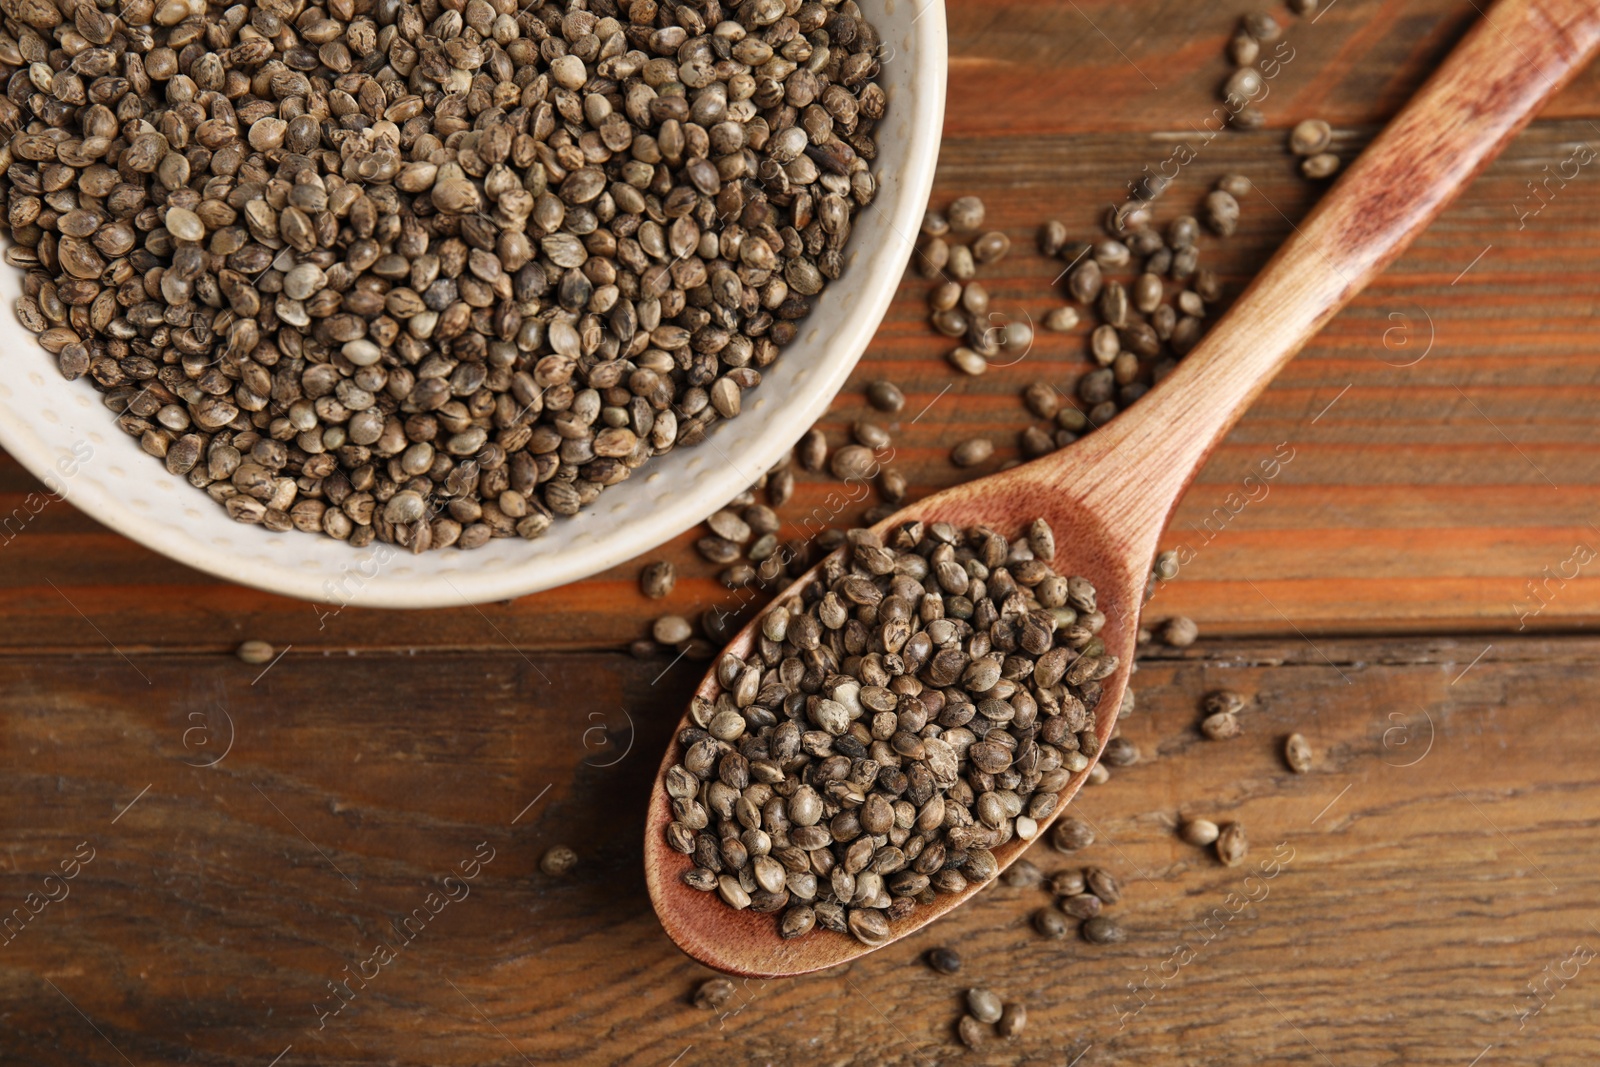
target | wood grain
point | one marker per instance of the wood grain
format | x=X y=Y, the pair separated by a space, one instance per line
x=217 y=907
x=1420 y=497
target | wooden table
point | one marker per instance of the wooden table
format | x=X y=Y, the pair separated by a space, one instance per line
x=1406 y=594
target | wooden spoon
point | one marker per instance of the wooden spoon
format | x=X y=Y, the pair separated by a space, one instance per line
x=1109 y=496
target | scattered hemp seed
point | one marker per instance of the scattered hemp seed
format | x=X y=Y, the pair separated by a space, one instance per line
x=255 y=653
x=871 y=435
x=1102 y=931
x=813 y=451
x=1053 y=238
x=991 y=247
x=973 y=1033
x=1051 y=923
x=671 y=630
x=966 y=214
x=1198 y=832
x=892 y=486
x=852 y=463
x=1235 y=185
x=1081 y=905
x=984 y=1005
x=1013 y=1020
x=971 y=452
x=943 y=960
x=1309 y=137
x=1023 y=874
x=780 y=488
x=558 y=860
x=1232 y=846
x=933 y=255
x=886 y=396
x=967 y=361
x=658 y=579
x=1043 y=399
x=1221 y=213
x=1222 y=726
x=1322 y=165
x=727 y=525
x=1071 y=834
x=1068 y=883
x=718 y=549
x=963 y=267
x=1103 y=884
x=1297 y=753
x=1262 y=26
x=714 y=994
x=1245 y=83
x=1180 y=632
x=1120 y=752
x=1061 y=320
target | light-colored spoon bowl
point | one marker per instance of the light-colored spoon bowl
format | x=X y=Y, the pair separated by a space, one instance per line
x=63 y=434
x=1109 y=496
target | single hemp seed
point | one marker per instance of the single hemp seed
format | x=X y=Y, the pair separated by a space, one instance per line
x=255 y=653
x=558 y=861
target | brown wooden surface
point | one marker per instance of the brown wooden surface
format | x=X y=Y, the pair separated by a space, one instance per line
x=1425 y=498
x=1406 y=930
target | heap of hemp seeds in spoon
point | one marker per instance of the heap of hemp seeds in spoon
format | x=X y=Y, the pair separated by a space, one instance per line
x=923 y=701
x=427 y=273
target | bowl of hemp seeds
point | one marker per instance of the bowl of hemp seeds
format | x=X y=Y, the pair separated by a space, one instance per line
x=415 y=304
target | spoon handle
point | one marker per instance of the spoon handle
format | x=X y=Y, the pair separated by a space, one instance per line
x=1515 y=58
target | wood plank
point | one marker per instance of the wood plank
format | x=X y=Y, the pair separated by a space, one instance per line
x=1032 y=66
x=221 y=900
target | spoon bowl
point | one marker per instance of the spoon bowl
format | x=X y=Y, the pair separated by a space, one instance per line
x=746 y=943
x=1108 y=497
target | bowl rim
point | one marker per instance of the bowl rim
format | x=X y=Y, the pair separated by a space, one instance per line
x=473 y=583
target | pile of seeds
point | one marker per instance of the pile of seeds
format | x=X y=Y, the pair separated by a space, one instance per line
x=986 y=1015
x=959 y=304
x=1143 y=329
x=1241 y=88
x=1229 y=839
x=1221 y=715
x=1309 y=140
x=924 y=701
x=1081 y=892
x=428 y=273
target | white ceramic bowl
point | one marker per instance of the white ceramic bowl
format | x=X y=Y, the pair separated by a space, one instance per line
x=62 y=432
